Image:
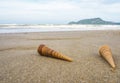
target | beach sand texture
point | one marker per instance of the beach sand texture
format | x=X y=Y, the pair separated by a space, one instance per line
x=21 y=63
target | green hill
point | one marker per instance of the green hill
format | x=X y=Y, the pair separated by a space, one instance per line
x=94 y=21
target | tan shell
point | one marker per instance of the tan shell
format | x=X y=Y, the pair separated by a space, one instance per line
x=106 y=53
x=44 y=50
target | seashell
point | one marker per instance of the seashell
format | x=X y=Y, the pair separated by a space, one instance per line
x=45 y=51
x=106 y=53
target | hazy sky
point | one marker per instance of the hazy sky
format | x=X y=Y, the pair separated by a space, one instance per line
x=57 y=11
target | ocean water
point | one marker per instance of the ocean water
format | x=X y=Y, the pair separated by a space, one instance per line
x=14 y=28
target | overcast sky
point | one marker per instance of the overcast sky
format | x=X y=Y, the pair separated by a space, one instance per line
x=57 y=11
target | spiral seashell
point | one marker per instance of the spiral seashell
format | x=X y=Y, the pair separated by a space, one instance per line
x=106 y=53
x=45 y=51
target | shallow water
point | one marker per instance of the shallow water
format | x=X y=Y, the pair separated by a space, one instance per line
x=48 y=28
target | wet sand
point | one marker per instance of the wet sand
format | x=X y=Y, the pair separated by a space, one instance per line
x=20 y=62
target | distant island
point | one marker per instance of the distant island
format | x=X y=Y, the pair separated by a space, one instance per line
x=97 y=21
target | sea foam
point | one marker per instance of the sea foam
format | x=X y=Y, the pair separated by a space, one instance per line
x=15 y=28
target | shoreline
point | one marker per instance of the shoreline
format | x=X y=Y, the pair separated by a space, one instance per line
x=20 y=62
x=60 y=31
x=54 y=28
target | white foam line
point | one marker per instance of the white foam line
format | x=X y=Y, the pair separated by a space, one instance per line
x=49 y=28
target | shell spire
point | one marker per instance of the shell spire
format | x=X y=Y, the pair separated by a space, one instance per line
x=45 y=51
x=106 y=53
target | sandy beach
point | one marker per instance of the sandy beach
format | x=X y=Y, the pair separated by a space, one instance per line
x=20 y=62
